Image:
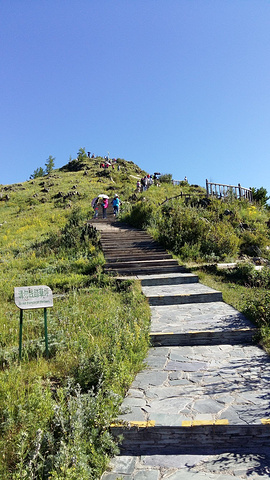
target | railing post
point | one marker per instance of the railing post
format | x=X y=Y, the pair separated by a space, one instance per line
x=207 y=192
x=240 y=192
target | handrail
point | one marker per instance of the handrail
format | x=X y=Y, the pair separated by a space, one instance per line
x=221 y=190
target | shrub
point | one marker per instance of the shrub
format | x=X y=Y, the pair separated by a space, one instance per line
x=165 y=178
x=220 y=240
x=252 y=243
x=259 y=310
x=141 y=214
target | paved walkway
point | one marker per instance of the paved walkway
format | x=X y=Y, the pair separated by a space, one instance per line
x=201 y=407
x=212 y=466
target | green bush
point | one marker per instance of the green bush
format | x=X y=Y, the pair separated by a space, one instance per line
x=246 y=274
x=141 y=214
x=221 y=241
x=189 y=233
x=165 y=178
x=259 y=310
x=253 y=243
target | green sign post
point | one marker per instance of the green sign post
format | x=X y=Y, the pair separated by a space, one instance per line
x=26 y=298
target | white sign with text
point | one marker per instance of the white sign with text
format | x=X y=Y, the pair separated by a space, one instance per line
x=38 y=296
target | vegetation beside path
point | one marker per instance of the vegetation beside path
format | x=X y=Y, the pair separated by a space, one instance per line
x=55 y=412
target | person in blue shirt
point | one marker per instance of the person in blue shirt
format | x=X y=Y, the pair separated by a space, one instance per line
x=116 y=205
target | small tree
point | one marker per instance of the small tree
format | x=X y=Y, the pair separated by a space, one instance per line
x=39 y=172
x=82 y=155
x=260 y=195
x=165 y=178
x=49 y=165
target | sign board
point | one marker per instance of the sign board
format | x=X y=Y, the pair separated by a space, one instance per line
x=38 y=296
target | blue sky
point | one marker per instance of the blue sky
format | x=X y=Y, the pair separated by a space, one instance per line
x=176 y=86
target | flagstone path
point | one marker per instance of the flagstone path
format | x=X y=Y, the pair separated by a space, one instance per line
x=200 y=409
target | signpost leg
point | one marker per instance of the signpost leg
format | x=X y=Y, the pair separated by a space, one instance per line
x=46 y=332
x=20 y=334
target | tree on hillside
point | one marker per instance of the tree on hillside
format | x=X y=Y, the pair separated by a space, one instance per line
x=49 y=165
x=165 y=178
x=260 y=195
x=39 y=172
x=82 y=155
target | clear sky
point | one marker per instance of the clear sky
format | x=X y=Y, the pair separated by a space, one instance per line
x=176 y=86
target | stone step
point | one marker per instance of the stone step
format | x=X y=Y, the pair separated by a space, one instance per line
x=135 y=257
x=146 y=270
x=233 y=337
x=131 y=244
x=127 y=230
x=205 y=464
x=143 y=263
x=134 y=249
x=99 y=220
x=139 y=439
x=118 y=232
x=189 y=397
x=179 y=294
x=128 y=235
x=199 y=324
x=167 y=279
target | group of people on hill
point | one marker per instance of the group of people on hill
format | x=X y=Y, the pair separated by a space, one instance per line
x=104 y=204
x=145 y=182
x=109 y=163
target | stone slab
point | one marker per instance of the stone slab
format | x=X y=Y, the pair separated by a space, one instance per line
x=167 y=279
x=174 y=290
x=223 y=381
x=214 y=465
x=210 y=316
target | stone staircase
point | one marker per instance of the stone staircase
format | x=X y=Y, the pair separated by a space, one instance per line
x=132 y=252
x=205 y=386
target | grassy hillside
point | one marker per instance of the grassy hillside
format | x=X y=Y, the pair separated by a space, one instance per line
x=55 y=412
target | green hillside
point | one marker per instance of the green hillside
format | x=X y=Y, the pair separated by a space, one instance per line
x=55 y=411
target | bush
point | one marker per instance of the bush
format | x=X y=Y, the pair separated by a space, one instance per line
x=165 y=178
x=259 y=310
x=189 y=233
x=252 y=243
x=142 y=214
x=221 y=241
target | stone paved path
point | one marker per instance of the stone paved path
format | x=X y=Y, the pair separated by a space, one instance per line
x=201 y=407
x=197 y=466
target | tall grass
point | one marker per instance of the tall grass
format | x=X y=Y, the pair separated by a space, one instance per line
x=55 y=412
